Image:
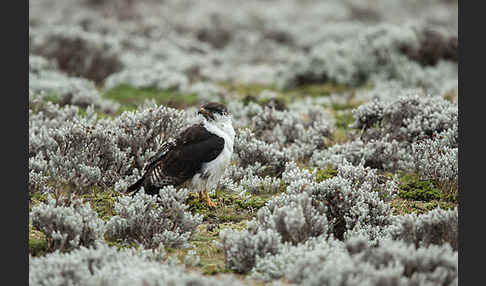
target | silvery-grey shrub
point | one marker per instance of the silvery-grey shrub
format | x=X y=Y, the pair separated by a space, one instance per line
x=82 y=151
x=298 y=133
x=191 y=258
x=384 y=154
x=391 y=135
x=293 y=216
x=293 y=173
x=436 y=159
x=142 y=132
x=77 y=52
x=437 y=226
x=37 y=179
x=105 y=265
x=46 y=80
x=67 y=226
x=353 y=200
x=362 y=39
x=407 y=118
x=38 y=64
x=157 y=76
x=349 y=42
x=375 y=50
x=239 y=179
x=274 y=125
x=242 y=114
x=250 y=150
x=242 y=248
x=70 y=90
x=152 y=221
x=357 y=262
x=278 y=266
x=344 y=206
x=257 y=185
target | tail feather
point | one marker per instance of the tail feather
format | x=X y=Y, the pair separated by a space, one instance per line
x=135 y=187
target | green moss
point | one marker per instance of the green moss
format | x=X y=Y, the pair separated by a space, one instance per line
x=349 y=105
x=102 y=201
x=403 y=206
x=324 y=174
x=280 y=102
x=213 y=269
x=413 y=188
x=231 y=207
x=130 y=97
x=450 y=96
x=324 y=89
x=450 y=197
x=197 y=205
x=37 y=242
x=344 y=120
x=252 y=90
x=236 y=226
x=37 y=247
x=36 y=198
x=119 y=244
x=211 y=256
x=253 y=203
x=442 y=204
x=52 y=97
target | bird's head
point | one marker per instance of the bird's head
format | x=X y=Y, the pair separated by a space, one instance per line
x=213 y=110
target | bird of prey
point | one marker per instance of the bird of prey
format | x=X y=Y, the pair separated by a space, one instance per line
x=199 y=155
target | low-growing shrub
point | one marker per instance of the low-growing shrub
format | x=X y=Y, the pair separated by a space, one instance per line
x=324 y=174
x=156 y=76
x=48 y=83
x=405 y=119
x=152 y=221
x=82 y=151
x=257 y=185
x=353 y=199
x=357 y=262
x=434 y=227
x=250 y=150
x=67 y=224
x=411 y=133
x=77 y=52
x=343 y=206
x=419 y=190
x=385 y=51
x=105 y=265
x=437 y=160
x=241 y=249
x=434 y=46
x=294 y=217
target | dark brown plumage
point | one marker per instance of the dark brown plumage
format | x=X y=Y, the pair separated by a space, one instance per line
x=179 y=160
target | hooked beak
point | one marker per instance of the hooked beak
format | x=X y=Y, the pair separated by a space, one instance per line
x=205 y=113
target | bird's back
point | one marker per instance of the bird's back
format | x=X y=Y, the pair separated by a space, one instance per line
x=180 y=160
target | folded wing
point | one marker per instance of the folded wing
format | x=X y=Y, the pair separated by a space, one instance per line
x=180 y=160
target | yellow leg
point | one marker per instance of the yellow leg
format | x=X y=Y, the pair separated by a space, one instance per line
x=200 y=196
x=210 y=203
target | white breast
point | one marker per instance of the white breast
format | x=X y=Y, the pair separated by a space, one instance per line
x=215 y=168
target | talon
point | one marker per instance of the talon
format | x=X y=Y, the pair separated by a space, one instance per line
x=210 y=203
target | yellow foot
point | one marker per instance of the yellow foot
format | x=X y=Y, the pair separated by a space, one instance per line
x=210 y=203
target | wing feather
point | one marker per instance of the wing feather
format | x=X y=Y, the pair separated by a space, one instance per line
x=179 y=160
x=164 y=149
